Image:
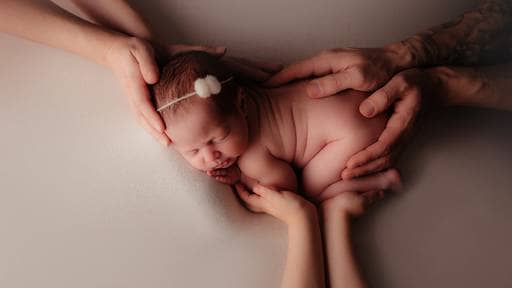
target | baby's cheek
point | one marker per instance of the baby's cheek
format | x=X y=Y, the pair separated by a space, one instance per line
x=195 y=162
x=238 y=146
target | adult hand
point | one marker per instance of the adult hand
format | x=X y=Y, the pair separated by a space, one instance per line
x=367 y=70
x=408 y=94
x=339 y=69
x=134 y=63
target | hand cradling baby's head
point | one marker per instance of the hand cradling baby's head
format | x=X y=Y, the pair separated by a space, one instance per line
x=209 y=132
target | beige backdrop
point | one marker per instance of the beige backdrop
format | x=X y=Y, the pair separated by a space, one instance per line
x=88 y=199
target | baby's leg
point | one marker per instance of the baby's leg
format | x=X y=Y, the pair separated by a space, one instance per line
x=321 y=177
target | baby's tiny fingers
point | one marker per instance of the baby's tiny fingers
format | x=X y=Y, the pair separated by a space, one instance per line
x=222 y=179
x=219 y=172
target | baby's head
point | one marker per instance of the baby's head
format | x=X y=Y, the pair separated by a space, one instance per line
x=212 y=132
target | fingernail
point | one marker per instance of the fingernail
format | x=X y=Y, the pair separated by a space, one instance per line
x=313 y=89
x=367 y=109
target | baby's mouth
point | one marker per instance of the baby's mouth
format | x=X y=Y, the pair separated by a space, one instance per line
x=224 y=164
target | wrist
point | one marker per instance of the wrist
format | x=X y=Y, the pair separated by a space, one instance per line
x=113 y=46
x=460 y=86
x=399 y=55
x=305 y=216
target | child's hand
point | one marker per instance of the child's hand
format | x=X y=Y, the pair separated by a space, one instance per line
x=284 y=205
x=230 y=175
x=350 y=204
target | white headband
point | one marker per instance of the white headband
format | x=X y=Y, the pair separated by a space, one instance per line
x=203 y=87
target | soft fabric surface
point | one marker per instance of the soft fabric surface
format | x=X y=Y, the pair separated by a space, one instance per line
x=88 y=199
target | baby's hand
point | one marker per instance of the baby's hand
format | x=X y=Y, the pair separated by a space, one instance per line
x=230 y=175
x=286 y=206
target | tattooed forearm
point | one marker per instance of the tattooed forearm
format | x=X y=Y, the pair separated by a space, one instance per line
x=480 y=36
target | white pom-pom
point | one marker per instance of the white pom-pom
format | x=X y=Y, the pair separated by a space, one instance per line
x=213 y=84
x=201 y=88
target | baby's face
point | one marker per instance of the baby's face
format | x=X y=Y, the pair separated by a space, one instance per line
x=207 y=142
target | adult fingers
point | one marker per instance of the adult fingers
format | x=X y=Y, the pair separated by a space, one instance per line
x=378 y=149
x=217 y=51
x=144 y=55
x=374 y=166
x=380 y=100
x=331 y=84
x=139 y=100
x=318 y=65
x=142 y=102
x=160 y=137
x=396 y=126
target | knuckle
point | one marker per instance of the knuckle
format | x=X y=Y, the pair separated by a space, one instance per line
x=383 y=148
x=359 y=71
x=414 y=91
x=401 y=79
x=386 y=161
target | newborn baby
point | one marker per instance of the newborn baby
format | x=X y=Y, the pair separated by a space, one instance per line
x=219 y=124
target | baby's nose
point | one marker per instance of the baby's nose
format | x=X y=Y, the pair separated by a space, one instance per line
x=212 y=156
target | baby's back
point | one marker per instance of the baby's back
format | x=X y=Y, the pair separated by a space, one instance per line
x=327 y=132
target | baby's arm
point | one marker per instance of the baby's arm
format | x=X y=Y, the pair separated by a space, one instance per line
x=259 y=166
x=304 y=264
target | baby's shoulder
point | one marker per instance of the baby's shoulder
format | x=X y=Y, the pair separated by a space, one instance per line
x=252 y=154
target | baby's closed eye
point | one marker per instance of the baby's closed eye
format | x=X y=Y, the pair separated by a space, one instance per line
x=222 y=138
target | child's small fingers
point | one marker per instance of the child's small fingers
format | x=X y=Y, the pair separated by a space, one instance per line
x=371 y=197
x=213 y=173
x=263 y=191
x=251 y=199
x=242 y=192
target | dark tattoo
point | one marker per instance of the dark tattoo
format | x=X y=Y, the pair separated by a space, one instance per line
x=478 y=37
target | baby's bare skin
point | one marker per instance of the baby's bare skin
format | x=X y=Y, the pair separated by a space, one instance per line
x=315 y=136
